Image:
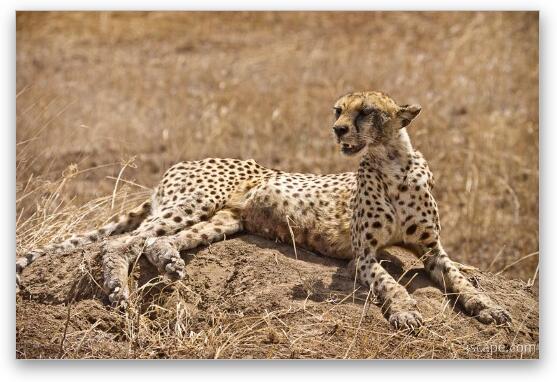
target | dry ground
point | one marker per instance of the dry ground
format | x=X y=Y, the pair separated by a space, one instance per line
x=249 y=298
x=103 y=94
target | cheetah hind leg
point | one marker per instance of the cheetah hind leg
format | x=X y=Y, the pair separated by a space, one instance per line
x=164 y=252
x=117 y=255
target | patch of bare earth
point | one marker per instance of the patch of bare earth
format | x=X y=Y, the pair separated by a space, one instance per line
x=251 y=298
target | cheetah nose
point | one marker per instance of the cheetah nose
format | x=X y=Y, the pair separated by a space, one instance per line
x=340 y=130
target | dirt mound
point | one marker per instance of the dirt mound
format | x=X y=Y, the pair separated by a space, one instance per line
x=251 y=298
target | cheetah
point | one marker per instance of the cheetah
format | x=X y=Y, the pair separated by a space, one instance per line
x=351 y=215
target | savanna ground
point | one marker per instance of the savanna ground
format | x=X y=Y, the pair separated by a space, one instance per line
x=107 y=101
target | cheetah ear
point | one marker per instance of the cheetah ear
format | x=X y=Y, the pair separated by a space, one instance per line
x=407 y=113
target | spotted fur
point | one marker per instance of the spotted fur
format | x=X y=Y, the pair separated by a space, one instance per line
x=348 y=215
x=393 y=204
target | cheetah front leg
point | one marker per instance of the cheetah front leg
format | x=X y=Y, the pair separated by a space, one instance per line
x=164 y=252
x=369 y=235
x=397 y=304
x=445 y=273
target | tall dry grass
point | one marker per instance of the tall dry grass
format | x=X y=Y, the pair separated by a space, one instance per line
x=96 y=89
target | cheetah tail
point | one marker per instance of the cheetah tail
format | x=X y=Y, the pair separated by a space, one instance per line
x=121 y=224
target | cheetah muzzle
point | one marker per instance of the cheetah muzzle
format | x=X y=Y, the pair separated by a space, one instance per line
x=350 y=215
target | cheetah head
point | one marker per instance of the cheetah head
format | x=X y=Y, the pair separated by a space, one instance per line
x=369 y=119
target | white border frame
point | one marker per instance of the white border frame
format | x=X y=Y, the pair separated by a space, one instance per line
x=324 y=370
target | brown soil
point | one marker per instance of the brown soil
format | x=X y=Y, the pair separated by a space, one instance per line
x=251 y=298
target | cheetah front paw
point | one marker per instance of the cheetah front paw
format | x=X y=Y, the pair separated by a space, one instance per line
x=487 y=312
x=406 y=319
x=494 y=314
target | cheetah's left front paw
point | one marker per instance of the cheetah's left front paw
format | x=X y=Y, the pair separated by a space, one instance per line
x=494 y=314
x=486 y=311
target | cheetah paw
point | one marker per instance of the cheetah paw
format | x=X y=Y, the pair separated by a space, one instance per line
x=175 y=269
x=486 y=312
x=410 y=320
x=161 y=252
x=494 y=314
x=118 y=294
x=20 y=264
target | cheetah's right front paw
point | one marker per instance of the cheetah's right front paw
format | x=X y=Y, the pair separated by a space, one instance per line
x=406 y=319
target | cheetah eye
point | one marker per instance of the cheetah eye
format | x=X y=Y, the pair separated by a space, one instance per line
x=338 y=111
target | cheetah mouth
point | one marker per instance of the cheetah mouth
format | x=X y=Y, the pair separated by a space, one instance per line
x=349 y=149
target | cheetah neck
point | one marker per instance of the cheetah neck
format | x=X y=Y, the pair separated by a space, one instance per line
x=390 y=159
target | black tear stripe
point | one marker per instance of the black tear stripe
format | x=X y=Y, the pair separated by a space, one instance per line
x=356 y=123
x=378 y=119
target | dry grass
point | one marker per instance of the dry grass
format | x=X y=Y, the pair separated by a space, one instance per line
x=248 y=298
x=96 y=90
